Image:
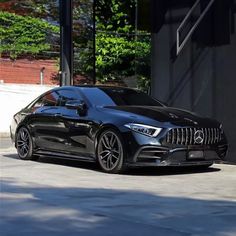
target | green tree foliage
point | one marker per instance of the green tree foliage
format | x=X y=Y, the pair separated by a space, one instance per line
x=25 y=35
x=122 y=50
x=44 y=9
x=83 y=38
x=119 y=57
x=115 y=15
x=120 y=53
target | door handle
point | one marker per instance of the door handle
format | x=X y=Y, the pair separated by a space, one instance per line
x=57 y=114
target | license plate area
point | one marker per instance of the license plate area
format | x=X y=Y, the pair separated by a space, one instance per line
x=193 y=155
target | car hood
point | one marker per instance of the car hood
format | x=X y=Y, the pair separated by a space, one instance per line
x=168 y=114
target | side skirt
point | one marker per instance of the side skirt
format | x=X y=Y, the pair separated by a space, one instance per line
x=65 y=156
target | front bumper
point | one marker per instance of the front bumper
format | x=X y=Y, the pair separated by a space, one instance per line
x=161 y=156
x=146 y=151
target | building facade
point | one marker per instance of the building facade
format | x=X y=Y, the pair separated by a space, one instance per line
x=201 y=76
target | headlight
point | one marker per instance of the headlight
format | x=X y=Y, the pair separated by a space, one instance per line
x=144 y=129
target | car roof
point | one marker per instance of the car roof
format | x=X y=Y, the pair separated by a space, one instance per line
x=93 y=86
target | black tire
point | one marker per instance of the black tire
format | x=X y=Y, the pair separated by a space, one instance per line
x=24 y=144
x=204 y=167
x=110 y=152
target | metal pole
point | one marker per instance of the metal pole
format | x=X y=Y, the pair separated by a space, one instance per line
x=136 y=39
x=66 y=43
x=94 y=42
x=42 y=75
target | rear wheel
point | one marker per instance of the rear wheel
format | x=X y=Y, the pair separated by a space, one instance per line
x=110 y=152
x=24 y=144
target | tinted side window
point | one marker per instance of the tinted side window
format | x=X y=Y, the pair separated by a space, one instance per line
x=66 y=95
x=38 y=103
x=50 y=99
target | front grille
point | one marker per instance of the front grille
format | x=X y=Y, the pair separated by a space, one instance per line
x=186 y=136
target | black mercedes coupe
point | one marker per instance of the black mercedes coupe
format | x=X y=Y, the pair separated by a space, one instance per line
x=116 y=127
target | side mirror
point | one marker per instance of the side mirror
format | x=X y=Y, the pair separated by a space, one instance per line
x=80 y=106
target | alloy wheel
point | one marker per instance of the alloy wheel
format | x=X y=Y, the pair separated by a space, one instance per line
x=23 y=143
x=110 y=151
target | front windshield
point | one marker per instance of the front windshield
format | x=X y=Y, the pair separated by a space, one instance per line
x=118 y=97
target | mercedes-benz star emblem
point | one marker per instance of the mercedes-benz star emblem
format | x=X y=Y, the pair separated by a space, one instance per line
x=199 y=137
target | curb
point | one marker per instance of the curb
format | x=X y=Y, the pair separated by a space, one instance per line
x=7 y=150
x=5 y=135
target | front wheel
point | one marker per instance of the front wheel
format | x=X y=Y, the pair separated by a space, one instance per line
x=110 y=152
x=24 y=144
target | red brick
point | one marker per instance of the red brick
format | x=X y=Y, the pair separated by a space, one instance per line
x=25 y=71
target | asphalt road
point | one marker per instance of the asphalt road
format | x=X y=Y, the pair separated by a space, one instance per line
x=54 y=197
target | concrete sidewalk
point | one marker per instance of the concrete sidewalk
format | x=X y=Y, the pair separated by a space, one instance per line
x=6 y=145
x=55 y=197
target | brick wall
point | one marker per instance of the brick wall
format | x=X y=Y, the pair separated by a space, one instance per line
x=24 y=71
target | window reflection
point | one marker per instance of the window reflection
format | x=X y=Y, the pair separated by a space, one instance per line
x=111 y=40
x=29 y=41
x=122 y=43
x=83 y=38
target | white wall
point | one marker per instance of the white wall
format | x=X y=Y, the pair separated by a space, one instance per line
x=14 y=97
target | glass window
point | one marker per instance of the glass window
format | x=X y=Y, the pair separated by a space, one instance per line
x=83 y=41
x=123 y=43
x=66 y=95
x=29 y=36
x=37 y=104
x=112 y=42
x=118 y=97
x=48 y=100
